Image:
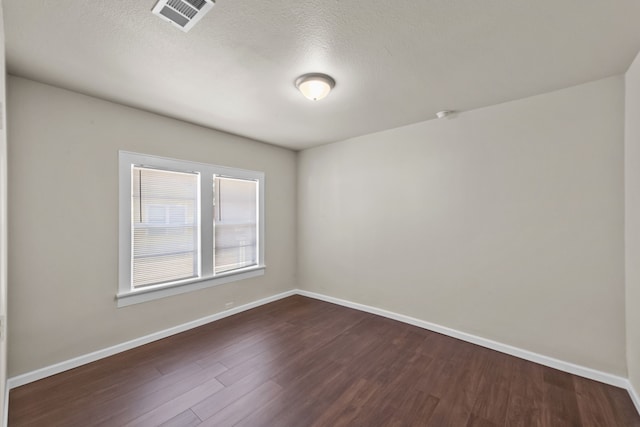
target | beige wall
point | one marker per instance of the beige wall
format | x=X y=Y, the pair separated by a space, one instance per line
x=632 y=218
x=505 y=222
x=63 y=220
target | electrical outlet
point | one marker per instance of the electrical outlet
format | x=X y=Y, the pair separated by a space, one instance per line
x=228 y=305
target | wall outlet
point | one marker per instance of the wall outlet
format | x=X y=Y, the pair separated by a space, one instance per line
x=228 y=305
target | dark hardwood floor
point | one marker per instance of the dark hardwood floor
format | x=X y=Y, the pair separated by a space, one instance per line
x=299 y=362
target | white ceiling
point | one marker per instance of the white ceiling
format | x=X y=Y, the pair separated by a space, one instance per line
x=395 y=62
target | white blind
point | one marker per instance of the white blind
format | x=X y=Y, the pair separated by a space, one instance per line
x=236 y=223
x=166 y=228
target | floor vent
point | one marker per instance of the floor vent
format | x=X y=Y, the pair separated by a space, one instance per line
x=182 y=13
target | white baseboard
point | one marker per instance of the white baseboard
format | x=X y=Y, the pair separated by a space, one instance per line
x=493 y=345
x=47 y=371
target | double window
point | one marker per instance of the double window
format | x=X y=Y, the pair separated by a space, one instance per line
x=186 y=225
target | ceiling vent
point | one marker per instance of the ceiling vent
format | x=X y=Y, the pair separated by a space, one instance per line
x=182 y=13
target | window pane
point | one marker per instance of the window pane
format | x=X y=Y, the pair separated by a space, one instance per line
x=165 y=226
x=236 y=218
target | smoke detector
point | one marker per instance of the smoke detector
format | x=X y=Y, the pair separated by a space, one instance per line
x=444 y=114
x=182 y=13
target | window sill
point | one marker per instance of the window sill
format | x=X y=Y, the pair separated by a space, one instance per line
x=125 y=299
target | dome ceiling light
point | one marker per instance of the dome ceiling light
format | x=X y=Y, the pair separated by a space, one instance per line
x=315 y=86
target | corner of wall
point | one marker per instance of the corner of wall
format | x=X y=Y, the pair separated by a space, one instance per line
x=4 y=395
x=296 y=203
x=632 y=225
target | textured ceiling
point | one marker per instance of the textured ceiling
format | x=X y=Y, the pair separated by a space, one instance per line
x=395 y=63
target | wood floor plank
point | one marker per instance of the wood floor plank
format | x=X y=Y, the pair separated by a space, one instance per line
x=173 y=407
x=311 y=396
x=299 y=362
x=357 y=394
x=264 y=361
x=397 y=391
x=263 y=416
x=476 y=421
x=560 y=407
x=494 y=389
x=184 y=419
x=269 y=342
x=132 y=405
x=595 y=408
x=526 y=397
x=417 y=409
x=244 y=342
x=455 y=407
x=90 y=385
x=624 y=409
x=456 y=383
x=213 y=404
x=244 y=406
x=92 y=407
x=305 y=395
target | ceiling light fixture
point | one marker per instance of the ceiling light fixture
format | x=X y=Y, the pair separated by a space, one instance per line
x=315 y=86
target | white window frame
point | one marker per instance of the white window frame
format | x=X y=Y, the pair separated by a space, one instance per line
x=127 y=295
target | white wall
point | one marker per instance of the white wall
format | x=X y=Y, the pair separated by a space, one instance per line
x=632 y=218
x=63 y=219
x=505 y=222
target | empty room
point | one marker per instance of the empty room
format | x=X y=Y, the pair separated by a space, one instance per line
x=320 y=213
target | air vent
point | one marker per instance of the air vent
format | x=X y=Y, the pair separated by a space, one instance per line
x=182 y=13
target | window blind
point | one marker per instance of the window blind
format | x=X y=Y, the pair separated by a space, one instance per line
x=166 y=227
x=236 y=223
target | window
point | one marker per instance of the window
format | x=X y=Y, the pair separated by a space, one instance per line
x=235 y=222
x=186 y=226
